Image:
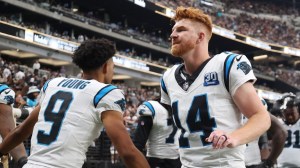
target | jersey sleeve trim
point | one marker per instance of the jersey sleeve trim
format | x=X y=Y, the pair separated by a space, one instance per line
x=3 y=87
x=46 y=85
x=227 y=67
x=104 y=91
x=149 y=105
x=163 y=86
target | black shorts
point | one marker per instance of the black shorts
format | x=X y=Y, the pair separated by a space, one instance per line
x=164 y=163
x=255 y=166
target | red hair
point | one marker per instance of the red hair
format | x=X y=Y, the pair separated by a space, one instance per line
x=195 y=15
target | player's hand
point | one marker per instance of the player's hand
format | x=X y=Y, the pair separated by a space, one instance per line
x=219 y=139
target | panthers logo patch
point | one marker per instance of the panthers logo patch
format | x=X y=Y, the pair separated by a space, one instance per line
x=121 y=103
x=9 y=99
x=246 y=68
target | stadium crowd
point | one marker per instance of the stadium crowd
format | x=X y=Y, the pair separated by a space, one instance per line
x=268 y=30
x=257 y=6
x=252 y=6
x=264 y=29
x=289 y=76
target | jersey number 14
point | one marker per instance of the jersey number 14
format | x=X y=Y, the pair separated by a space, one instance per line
x=197 y=120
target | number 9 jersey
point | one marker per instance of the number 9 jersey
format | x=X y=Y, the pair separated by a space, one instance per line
x=202 y=103
x=70 y=119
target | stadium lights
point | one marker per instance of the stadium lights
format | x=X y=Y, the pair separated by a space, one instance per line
x=260 y=57
x=53 y=62
x=75 y=9
x=19 y=54
x=296 y=63
x=121 y=77
x=207 y=3
x=153 y=84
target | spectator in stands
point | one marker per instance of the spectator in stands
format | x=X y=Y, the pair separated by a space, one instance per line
x=36 y=65
x=7 y=123
x=6 y=72
x=129 y=115
x=63 y=71
x=81 y=105
x=32 y=96
x=1 y=62
x=19 y=100
x=207 y=96
x=80 y=38
x=2 y=79
x=34 y=79
x=20 y=74
x=79 y=75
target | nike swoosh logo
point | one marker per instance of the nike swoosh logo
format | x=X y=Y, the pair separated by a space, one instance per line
x=239 y=58
x=6 y=92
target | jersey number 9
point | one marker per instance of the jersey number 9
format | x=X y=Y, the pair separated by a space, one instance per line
x=55 y=116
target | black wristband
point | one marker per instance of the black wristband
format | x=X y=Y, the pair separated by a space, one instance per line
x=22 y=161
x=268 y=163
x=25 y=114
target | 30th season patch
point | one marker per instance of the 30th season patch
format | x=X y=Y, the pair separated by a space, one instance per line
x=211 y=78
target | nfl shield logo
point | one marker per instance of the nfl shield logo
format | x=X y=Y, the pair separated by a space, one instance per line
x=185 y=86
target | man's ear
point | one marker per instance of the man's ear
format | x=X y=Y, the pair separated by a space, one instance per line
x=201 y=36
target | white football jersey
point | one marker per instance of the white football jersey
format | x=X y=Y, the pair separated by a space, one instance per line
x=162 y=138
x=289 y=156
x=207 y=105
x=252 y=153
x=70 y=119
x=7 y=95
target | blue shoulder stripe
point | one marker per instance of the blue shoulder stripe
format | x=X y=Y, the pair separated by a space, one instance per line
x=104 y=91
x=227 y=67
x=3 y=87
x=149 y=105
x=46 y=85
x=163 y=86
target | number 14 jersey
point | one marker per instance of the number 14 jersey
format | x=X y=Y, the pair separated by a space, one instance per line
x=206 y=104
